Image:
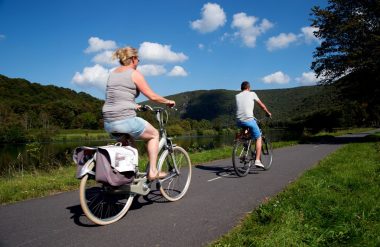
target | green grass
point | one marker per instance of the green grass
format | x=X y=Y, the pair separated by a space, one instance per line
x=335 y=204
x=340 y=132
x=37 y=184
x=80 y=134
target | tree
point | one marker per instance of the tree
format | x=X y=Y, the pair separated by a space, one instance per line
x=348 y=56
x=350 y=34
x=86 y=120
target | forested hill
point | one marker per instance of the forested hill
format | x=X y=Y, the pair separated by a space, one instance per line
x=36 y=106
x=286 y=105
x=26 y=106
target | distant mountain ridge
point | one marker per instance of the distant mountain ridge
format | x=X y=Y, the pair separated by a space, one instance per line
x=285 y=104
x=68 y=109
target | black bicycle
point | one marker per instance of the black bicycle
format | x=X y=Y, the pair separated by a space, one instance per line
x=244 y=151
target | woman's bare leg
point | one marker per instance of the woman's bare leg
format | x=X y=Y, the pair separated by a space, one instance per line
x=152 y=136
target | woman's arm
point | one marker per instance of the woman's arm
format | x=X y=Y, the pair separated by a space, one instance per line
x=143 y=86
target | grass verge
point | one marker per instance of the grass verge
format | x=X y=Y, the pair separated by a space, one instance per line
x=37 y=184
x=79 y=134
x=334 y=204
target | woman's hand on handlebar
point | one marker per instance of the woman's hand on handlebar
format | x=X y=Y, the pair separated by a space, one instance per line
x=170 y=103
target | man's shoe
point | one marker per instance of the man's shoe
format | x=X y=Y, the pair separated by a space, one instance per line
x=259 y=164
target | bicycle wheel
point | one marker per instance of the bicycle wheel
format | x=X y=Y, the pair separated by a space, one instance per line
x=242 y=157
x=101 y=203
x=266 y=154
x=176 y=184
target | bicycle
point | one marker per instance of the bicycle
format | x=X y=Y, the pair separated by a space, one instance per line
x=244 y=152
x=105 y=204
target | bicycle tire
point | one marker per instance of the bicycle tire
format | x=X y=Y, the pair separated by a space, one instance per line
x=99 y=203
x=175 y=185
x=266 y=153
x=242 y=157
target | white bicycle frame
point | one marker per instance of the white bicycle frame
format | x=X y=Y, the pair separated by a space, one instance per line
x=139 y=186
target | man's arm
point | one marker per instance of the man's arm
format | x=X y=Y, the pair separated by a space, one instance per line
x=262 y=105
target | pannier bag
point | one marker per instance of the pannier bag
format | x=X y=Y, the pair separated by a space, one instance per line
x=116 y=165
x=81 y=155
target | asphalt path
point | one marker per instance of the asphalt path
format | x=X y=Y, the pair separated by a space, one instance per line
x=217 y=200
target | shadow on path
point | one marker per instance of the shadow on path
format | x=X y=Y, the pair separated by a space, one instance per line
x=220 y=171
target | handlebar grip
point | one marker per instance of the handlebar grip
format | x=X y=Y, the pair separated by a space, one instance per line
x=144 y=108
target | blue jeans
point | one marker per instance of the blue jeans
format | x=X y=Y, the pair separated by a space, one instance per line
x=252 y=125
x=133 y=126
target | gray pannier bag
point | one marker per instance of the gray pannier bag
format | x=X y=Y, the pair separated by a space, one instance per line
x=116 y=165
x=81 y=156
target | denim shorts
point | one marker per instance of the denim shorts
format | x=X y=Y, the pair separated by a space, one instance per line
x=133 y=126
x=252 y=125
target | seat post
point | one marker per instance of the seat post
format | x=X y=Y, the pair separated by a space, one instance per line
x=125 y=139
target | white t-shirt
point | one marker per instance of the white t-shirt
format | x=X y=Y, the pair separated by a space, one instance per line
x=245 y=103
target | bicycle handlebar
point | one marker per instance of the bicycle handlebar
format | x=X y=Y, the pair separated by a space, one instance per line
x=264 y=118
x=162 y=115
x=155 y=108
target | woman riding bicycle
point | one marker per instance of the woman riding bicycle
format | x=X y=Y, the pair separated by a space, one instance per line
x=119 y=110
x=245 y=103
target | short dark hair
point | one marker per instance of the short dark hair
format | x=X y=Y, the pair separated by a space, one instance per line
x=245 y=85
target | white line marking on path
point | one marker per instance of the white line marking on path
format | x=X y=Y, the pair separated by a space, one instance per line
x=213 y=179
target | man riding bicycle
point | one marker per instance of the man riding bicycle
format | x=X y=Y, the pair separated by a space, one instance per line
x=245 y=103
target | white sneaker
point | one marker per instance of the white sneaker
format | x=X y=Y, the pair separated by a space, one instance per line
x=259 y=164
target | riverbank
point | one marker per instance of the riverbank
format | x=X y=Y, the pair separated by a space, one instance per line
x=334 y=204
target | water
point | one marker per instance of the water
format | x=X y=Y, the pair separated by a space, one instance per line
x=45 y=156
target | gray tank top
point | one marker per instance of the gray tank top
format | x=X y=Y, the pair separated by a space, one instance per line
x=120 y=96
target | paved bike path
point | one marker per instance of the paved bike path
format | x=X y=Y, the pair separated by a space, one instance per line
x=216 y=201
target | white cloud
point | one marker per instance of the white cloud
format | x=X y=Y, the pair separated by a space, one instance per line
x=160 y=53
x=308 y=34
x=247 y=28
x=151 y=69
x=201 y=46
x=277 y=78
x=96 y=45
x=2 y=36
x=92 y=76
x=177 y=71
x=281 y=41
x=213 y=17
x=105 y=58
x=307 y=79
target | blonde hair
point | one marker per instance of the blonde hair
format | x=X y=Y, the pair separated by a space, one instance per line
x=125 y=55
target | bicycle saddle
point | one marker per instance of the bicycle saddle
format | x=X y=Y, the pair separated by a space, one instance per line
x=124 y=138
x=118 y=135
x=245 y=132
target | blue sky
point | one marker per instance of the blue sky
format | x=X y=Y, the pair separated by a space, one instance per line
x=183 y=45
